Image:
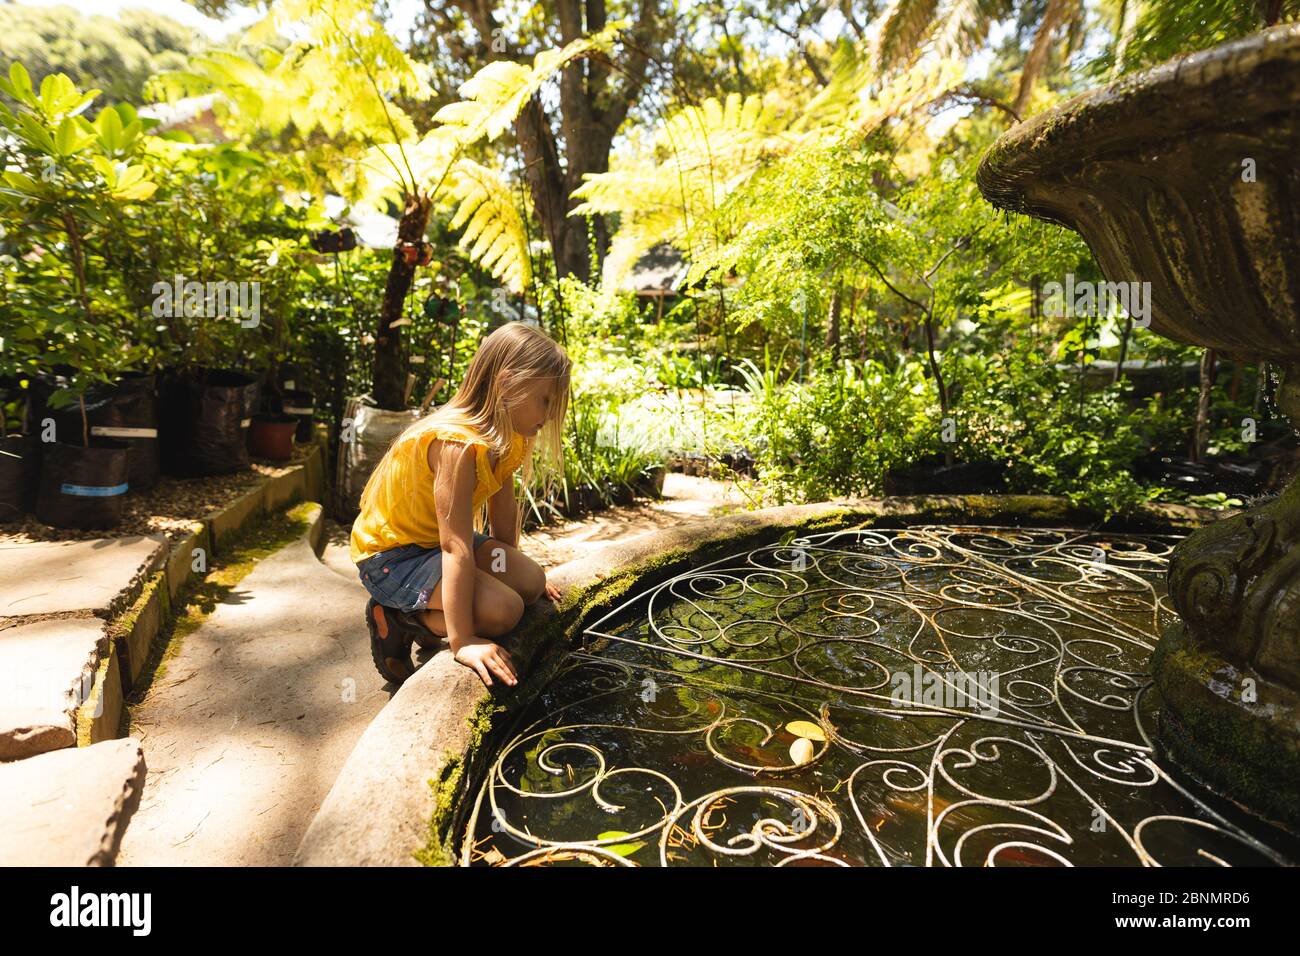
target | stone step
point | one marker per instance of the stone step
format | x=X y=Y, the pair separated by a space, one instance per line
x=87 y=577
x=47 y=670
x=70 y=807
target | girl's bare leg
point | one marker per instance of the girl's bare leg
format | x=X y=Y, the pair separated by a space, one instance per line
x=497 y=608
x=512 y=567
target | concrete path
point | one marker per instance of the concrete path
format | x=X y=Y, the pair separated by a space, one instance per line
x=256 y=713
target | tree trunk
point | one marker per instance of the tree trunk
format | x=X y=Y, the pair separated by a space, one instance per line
x=1123 y=349
x=1201 y=431
x=938 y=382
x=591 y=110
x=1053 y=17
x=388 y=384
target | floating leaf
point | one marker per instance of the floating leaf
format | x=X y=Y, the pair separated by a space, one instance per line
x=622 y=849
x=801 y=751
x=805 y=728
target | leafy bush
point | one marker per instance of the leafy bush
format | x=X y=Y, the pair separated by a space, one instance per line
x=837 y=433
x=1056 y=437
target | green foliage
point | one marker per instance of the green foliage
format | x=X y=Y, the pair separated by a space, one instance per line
x=1156 y=30
x=66 y=186
x=848 y=286
x=1056 y=437
x=836 y=434
x=115 y=54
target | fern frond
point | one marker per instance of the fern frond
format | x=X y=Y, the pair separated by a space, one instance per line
x=699 y=156
x=906 y=93
x=494 y=235
x=949 y=28
x=494 y=96
x=905 y=25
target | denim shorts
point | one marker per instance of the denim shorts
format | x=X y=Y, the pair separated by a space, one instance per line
x=404 y=577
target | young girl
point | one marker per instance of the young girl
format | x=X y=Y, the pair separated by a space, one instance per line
x=417 y=542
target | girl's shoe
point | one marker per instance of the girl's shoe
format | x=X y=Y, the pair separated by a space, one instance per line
x=391 y=636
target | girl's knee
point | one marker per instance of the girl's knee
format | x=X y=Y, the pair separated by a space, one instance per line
x=532 y=582
x=499 y=614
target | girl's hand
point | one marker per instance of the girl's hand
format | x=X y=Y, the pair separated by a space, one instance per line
x=553 y=592
x=486 y=658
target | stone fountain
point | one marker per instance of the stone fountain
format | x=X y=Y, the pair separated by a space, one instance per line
x=1187 y=177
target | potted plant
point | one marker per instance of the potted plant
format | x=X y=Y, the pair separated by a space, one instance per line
x=19 y=466
x=66 y=186
x=220 y=302
x=271 y=436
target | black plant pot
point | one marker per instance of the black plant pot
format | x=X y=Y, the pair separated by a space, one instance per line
x=299 y=403
x=651 y=485
x=83 y=487
x=620 y=494
x=19 y=471
x=1231 y=476
x=205 y=422
x=581 y=500
x=127 y=412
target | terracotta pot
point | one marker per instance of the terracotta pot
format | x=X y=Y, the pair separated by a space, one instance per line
x=271 y=436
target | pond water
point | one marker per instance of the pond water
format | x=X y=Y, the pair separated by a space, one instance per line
x=936 y=696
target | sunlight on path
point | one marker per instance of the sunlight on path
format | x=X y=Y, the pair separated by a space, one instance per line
x=686 y=500
x=254 y=718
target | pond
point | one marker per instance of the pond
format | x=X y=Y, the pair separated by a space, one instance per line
x=935 y=696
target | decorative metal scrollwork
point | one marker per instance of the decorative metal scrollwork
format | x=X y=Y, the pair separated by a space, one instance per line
x=937 y=696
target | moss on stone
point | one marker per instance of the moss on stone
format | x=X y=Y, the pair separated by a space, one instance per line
x=124 y=623
x=1247 y=751
x=85 y=720
x=201 y=595
x=438 y=850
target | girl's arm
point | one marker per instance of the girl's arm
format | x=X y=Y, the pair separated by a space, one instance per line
x=453 y=497
x=503 y=514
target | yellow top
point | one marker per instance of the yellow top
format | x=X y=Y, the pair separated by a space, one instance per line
x=401 y=510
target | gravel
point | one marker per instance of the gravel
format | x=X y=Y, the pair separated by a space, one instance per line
x=169 y=507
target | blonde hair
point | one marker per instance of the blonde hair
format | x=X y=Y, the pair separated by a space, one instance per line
x=506 y=361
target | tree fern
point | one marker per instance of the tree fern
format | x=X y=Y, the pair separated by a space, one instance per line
x=703 y=154
x=494 y=234
x=950 y=28
x=699 y=156
x=494 y=96
x=340 y=77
